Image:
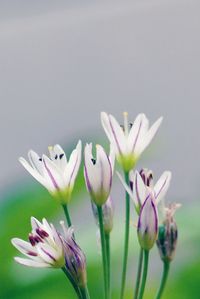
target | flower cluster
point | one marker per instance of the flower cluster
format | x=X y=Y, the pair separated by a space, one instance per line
x=49 y=248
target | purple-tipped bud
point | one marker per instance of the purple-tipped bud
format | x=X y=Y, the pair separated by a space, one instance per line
x=75 y=260
x=168 y=234
x=108 y=213
x=98 y=174
x=148 y=224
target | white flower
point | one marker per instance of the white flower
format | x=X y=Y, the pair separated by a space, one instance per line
x=44 y=249
x=55 y=173
x=129 y=144
x=141 y=185
x=98 y=174
x=148 y=224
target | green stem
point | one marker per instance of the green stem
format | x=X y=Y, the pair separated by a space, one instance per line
x=144 y=275
x=76 y=288
x=126 y=239
x=65 y=208
x=166 y=266
x=103 y=248
x=84 y=293
x=139 y=272
x=107 y=239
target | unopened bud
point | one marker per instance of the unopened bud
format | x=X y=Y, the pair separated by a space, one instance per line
x=108 y=213
x=168 y=234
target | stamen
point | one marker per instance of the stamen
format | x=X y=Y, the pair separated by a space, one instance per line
x=61 y=155
x=42 y=233
x=93 y=161
x=56 y=157
x=40 y=159
x=31 y=239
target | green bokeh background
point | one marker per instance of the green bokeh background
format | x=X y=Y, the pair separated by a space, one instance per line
x=28 y=198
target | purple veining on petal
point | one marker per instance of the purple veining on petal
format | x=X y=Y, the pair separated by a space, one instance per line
x=161 y=188
x=137 y=191
x=48 y=254
x=115 y=137
x=156 y=216
x=87 y=179
x=111 y=174
x=51 y=176
x=136 y=139
x=72 y=173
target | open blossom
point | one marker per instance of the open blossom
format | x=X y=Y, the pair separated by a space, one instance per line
x=142 y=184
x=98 y=173
x=148 y=224
x=132 y=141
x=47 y=248
x=55 y=173
x=44 y=249
x=168 y=234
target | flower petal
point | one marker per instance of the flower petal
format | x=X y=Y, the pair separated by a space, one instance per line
x=33 y=172
x=162 y=186
x=31 y=263
x=139 y=128
x=140 y=191
x=149 y=135
x=114 y=133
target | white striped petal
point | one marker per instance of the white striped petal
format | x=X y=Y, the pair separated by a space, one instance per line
x=73 y=165
x=24 y=247
x=139 y=128
x=31 y=263
x=149 y=135
x=105 y=168
x=140 y=190
x=35 y=161
x=162 y=186
x=33 y=172
x=52 y=174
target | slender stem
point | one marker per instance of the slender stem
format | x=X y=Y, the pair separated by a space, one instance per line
x=166 y=266
x=84 y=293
x=139 y=272
x=103 y=248
x=107 y=239
x=144 y=275
x=126 y=239
x=65 y=208
x=76 y=288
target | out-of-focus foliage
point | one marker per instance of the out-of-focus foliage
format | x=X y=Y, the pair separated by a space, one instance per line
x=21 y=282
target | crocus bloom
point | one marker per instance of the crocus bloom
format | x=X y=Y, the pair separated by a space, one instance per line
x=75 y=260
x=55 y=173
x=148 y=224
x=132 y=141
x=44 y=249
x=142 y=183
x=168 y=234
x=98 y=174
x=108 y=214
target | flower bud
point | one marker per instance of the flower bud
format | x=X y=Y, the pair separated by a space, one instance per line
x=75 y=260
x=98 y=174
x=148 y=224
x=108 y=212
x=168 y=234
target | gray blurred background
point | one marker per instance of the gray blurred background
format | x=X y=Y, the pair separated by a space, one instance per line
x=62 y=62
